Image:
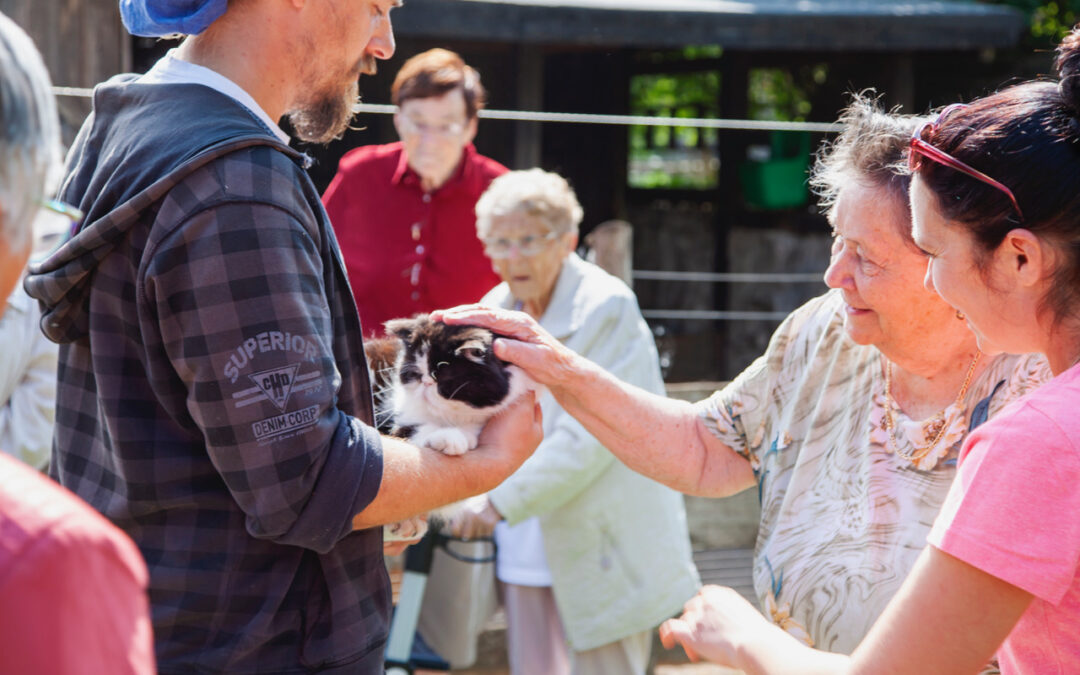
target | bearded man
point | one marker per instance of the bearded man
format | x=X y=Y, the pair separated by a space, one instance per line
x=213 y=399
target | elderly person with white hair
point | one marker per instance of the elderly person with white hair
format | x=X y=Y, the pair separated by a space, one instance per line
x=72 y=586
x=591 y=553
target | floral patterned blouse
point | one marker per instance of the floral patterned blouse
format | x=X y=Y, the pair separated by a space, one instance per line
x=843 y=518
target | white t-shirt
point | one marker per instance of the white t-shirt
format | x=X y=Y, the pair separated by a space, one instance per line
x=520 y=558
x=171 y=69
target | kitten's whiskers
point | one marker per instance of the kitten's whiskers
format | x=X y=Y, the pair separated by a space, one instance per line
x=455 y=392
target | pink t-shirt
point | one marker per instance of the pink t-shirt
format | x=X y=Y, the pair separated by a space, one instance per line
x=1014 y=512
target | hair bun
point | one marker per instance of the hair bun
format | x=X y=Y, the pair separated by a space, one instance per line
x=1068 y=67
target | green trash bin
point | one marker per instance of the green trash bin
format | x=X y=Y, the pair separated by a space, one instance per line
x=778 y=182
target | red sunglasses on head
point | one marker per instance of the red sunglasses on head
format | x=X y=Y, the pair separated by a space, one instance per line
x=920 y=148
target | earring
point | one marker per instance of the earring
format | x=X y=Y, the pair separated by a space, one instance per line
x=960 y=315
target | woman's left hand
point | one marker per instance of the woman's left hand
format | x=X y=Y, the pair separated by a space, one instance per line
x=477 y=518
x=714 y=624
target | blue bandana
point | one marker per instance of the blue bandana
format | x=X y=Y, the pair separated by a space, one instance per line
x=157 y=18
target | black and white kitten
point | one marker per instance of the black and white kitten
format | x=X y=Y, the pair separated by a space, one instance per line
x=444 y=384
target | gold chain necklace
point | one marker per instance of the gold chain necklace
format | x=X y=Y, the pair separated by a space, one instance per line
x=890 y=423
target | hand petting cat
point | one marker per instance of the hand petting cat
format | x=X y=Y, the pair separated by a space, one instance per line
x=438 y=386
x=533 y=349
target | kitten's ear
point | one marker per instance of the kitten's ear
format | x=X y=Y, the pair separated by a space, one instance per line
x=402 y=328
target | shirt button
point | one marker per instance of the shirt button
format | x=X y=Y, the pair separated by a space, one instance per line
x=420 y=249
x=415 y=295
x=416 y=232
x=427 y=198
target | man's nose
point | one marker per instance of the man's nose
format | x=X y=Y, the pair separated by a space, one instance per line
x=382 y=45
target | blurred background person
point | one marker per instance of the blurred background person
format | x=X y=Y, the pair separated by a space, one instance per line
x=72 y=586
x=849 y=426
x=404 y=213
x=592 y=555
x=28 y=369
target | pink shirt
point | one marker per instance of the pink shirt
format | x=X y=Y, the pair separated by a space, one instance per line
x=1014 y=512
x=72 y=586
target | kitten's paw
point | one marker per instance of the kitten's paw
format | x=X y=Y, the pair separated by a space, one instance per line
x=447 y=441
x=406 y=530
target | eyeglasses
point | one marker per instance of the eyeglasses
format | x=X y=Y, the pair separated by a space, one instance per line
x=527 y=246
x=920 y=148
x=411 y=126
x=56 y=222
x=68 y=211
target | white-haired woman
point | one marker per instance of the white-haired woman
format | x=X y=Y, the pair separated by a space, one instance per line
x=72 y=586
x=592 y=555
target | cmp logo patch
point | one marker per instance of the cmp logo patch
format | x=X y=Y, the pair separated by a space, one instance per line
x=276 y=384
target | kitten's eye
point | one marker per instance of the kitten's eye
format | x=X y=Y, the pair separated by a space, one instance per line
x=435 y=371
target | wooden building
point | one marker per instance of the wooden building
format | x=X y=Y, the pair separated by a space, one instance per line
x=588 y=56
x=585 y=56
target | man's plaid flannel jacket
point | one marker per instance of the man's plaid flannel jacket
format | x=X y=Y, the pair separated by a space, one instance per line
x=213 y=397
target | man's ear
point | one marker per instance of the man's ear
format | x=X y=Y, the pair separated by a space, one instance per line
x=470 y=130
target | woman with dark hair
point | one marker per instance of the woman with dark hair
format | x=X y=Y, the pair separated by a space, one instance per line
x=850 y=424
x=996 y=206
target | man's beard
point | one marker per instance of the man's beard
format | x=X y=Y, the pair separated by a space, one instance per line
x=327 y=117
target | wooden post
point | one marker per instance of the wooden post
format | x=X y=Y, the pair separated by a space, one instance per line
x=528 y=141
x=902 y=85
x=611 y=247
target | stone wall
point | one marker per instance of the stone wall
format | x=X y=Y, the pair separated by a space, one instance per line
x=685 y=235
x=680 y=235
x=761 y=251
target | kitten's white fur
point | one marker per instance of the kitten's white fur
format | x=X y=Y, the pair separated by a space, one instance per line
x=451 y=427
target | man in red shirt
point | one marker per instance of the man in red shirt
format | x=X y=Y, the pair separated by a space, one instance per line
x=72 y=586
x=404 y=213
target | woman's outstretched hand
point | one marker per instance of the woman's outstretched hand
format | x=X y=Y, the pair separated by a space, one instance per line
x=716 y=624
x=531 y=348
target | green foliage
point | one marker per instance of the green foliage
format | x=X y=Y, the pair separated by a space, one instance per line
x=774 y=95
x=690 y=53
x=1049 y=21
x=675 y=157
x=686 y=157
x=678 y=95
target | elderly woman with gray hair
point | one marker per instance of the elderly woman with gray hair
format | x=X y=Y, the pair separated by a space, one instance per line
x=849 y=426
x=72 y=586
x=590 y=553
